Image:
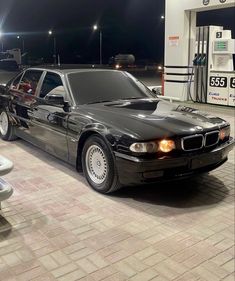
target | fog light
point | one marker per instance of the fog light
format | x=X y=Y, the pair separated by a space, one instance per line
x=154 y=174
x=166 y=145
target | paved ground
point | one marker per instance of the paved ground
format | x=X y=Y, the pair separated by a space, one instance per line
x=149 y=78
x=5 y=76
x=56 y=228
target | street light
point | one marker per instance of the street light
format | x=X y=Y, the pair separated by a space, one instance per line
x=95 y=28
x=1 y=35
x=50 y=32
x=162 y=17
x=18 y=37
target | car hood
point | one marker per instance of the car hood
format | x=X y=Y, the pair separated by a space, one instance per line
x=151 y=118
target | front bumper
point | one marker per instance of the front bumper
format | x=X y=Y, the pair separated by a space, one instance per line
x=134 y=171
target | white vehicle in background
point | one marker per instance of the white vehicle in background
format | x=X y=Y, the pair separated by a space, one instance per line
x=13 y=54
x=10 y=59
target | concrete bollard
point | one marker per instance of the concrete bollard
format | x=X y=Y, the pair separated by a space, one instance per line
x=6 y=189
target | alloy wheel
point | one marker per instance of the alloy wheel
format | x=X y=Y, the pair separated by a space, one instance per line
x=3 y=123
x=96 y=164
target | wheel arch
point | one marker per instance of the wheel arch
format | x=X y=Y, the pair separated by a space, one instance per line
x=109 y=140
x=12 y=119
x=9 y=134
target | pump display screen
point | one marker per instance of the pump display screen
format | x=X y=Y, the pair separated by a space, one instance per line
x=220 y=82
x=221 y=46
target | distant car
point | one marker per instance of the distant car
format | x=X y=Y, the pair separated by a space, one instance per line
x=9 y=65
x=109 y=125
x=122 y=61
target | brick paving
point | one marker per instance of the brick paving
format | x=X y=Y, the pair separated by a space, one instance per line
x=55 y=227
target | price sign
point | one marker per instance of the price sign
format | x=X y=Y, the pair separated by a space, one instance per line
x=220 y=82
x=232 y=82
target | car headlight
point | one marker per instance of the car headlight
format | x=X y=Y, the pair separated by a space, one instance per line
x=144 y=147
x=166 y=145
x=224 y=133
x=153 y=147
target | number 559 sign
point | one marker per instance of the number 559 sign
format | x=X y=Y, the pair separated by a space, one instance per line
x=220 y=82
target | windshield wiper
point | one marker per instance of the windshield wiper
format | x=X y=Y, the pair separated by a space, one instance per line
x=135 y=98
x=100 y=101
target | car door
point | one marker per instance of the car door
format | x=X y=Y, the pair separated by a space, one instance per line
x=23 y=91
x=49 y=119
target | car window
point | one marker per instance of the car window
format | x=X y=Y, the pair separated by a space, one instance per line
x=52 y=81
x=29 y=81
x=105 y=85
x=16 y=82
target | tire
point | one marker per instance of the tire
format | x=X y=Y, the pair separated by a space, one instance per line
x=6 y=190
x=7 y=130
x=99 y=165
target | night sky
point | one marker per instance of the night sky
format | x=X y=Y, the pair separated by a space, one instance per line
x=129 y=26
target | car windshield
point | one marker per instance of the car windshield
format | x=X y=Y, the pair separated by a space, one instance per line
x=103 y=86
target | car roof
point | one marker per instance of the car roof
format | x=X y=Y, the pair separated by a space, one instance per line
x=69 y=71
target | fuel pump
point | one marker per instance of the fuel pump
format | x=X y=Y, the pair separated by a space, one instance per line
x=221 y=82
x=214 y=76
x=200 y=64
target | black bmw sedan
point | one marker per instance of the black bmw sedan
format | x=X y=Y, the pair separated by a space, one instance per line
x=110 y=126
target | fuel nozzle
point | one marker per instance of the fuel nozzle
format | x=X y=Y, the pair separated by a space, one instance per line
x=197 y=60
x=203 y=60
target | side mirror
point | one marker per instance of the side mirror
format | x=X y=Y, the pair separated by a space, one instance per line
x=157 y=91
x=55 y=99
